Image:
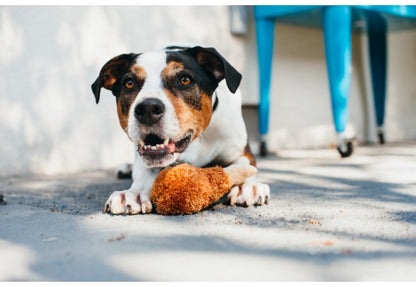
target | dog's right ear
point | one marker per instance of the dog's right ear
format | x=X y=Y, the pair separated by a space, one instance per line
x=111 y=72
x=212 y=61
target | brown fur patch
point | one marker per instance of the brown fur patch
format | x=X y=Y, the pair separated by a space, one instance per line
x=138 y=71
x=172 y=69
x=124 y=104
x=125 y=100
x=108 y=80
x=191 y=95
x=123 y=118
x=193 y=106
x=248 y=154
x=123 y=199
x=189 y=118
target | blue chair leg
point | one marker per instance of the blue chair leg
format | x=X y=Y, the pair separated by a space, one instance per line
x=265 y=38
x=336 y=22
x=377 y=27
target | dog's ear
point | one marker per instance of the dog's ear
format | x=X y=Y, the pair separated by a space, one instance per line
x=110 y=72
x=212 y=61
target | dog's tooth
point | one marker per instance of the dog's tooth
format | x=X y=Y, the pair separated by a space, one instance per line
x=166 y=142
x=141 y=143
x=153 y=148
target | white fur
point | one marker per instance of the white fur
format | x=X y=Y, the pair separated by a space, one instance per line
x=154 y=62
x=224 y=138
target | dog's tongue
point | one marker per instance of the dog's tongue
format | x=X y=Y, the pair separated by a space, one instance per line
x=171 y=147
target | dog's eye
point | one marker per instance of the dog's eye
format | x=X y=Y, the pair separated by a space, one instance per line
x=128 y=84
x=185 y=81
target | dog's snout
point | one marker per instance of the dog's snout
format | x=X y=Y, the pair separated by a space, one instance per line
x=150 y=111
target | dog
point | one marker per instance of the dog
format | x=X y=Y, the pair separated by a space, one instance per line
x=175 y=107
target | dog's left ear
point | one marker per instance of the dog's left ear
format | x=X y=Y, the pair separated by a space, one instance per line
x=110 y=72
x=212 y=61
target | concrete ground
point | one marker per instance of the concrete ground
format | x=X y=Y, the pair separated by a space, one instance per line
x=329 y=219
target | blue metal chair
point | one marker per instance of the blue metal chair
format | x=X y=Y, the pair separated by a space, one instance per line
x=336 y=22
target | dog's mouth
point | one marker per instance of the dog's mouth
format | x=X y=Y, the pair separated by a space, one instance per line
x=153 y=146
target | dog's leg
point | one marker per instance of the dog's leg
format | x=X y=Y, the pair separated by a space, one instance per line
x=134 y=200
x=128 y=202
x=125 y=171
x=251 y=192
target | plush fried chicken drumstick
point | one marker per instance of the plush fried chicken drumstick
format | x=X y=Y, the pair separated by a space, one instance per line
x=186 y=189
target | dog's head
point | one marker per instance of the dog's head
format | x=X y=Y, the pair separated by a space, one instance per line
x=164 y=98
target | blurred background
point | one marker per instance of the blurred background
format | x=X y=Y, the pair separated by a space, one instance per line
x=50 y=55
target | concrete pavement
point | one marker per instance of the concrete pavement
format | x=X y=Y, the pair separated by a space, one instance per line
x=329 y=219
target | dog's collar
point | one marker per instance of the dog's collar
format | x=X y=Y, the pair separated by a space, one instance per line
x=215 y=105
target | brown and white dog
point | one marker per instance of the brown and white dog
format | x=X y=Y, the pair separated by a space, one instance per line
x=174 y=106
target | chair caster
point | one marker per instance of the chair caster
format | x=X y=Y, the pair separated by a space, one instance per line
x=263 y=149
x=346 y=148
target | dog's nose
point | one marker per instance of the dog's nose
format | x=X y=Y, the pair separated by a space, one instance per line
x=150 y=111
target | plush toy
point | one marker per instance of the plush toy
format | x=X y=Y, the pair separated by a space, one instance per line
x=186 y=189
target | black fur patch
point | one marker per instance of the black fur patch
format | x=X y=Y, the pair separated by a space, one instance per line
x=215 y=106
x=126 y=97
x=205 y=80
x=176 y=48
x=114 y=68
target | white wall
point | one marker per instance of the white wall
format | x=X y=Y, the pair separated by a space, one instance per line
x=49 y=56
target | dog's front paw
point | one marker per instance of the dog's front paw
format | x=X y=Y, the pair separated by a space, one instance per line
x=249 y=193
x=128 y=202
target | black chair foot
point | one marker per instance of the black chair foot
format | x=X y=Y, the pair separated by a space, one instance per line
x=346 y=149
x=380 y=136
x=263 y=149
